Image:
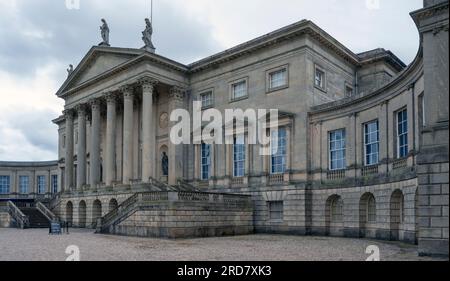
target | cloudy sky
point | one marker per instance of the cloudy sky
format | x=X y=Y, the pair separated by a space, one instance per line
x=39 y=38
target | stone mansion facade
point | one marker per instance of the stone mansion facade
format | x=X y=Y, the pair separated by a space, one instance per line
x=362 y=143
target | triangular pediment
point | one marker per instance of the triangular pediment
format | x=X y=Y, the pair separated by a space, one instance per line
x=98 y=61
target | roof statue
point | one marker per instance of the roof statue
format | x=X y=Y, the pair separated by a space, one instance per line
x=147 y=37
x=104 y=31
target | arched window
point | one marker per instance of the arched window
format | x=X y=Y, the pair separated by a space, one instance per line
x=371 y=209
x=337 y=209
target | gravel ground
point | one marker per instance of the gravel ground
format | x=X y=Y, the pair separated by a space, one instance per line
x=37 y=245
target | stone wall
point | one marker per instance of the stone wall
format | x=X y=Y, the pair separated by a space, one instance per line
x=187 y=219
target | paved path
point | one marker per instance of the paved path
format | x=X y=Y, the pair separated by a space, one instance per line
x=37 y=245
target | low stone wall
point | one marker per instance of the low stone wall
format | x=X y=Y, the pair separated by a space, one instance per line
x=188 y=215
x=5 y=219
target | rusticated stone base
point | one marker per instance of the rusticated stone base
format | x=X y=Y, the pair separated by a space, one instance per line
x=186 y=220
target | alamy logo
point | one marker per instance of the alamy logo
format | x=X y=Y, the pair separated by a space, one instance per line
x=73 y=4
x=374 y=252
x=373 y=4
x=211 y=127
x=73 y=253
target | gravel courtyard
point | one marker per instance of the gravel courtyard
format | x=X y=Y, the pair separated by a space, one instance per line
x=37 y=245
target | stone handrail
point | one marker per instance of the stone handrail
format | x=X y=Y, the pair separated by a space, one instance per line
x=55 y=201
x=21 y=219
x=46 y=212
x=125 y=206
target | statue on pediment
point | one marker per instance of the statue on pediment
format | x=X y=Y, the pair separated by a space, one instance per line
x=70 y=70
x=147 y=36
x=104 y=31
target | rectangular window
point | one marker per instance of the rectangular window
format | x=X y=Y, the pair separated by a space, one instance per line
x=54 y=184
x=5 y=184
x=24 y=183
x=371 y=143
x=278 y=147
x=207 y=99
x=337 y=150
x=276 y=210
x=239 y=157
x=402 y=134
x=278 y=79
x=319 y=78
x=41 y=184
x=239 y=90
x=206 y=161
x=348 y=91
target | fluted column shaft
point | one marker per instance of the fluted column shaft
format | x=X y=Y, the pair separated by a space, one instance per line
x=111 y=104
x=176 y=101
x=95 y=144
x=128 y=101
x=69 y=151
x=148 y=130
x=81 y=150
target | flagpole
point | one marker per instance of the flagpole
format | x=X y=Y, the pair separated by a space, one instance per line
x=151 y=11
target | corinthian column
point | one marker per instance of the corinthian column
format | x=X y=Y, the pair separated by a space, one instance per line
x=176 y=101
x=81 y=151
x=110 y=168
x=95 y=144
x=69 y=150
x=148 y=130
x=128 y=97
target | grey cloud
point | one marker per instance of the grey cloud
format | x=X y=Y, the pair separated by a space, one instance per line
x=37 y=128
x=70 y=33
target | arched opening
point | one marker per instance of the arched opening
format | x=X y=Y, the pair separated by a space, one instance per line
x=82 y=214
x=69 y=213
x=367 y=215
x=113 y=204
x=96 y=211
x=334 y=222
x=396 y=214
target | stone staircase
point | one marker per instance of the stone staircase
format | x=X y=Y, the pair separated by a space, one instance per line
x=30 y=215
x=36 y=219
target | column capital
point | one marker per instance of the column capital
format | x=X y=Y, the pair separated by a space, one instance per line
x=95 y=103
x=81 y=109
x=177 y=93
x=127 y=91
x=69 y=114
x=110 y=97
x=148 y=83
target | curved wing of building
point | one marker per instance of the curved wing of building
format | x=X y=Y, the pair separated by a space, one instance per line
x=362 y=143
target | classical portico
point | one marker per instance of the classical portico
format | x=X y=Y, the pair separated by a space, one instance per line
x=108 y=158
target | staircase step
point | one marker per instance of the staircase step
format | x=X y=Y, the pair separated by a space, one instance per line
x=36 y=218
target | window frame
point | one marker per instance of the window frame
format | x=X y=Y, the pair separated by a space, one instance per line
x=282 y=156
x=239 y=149
x=5 y=184
x=371 y=217
x=322 y=87
x=269 y=75
x=202 y=164
x=41 y=184
x=344 y=149
x=402 y=134
x=279 y=211
x=54 y=183
x=366 y=144
x=205 y=93
x=348 y=86
x=231 y=89
x=21 y=184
